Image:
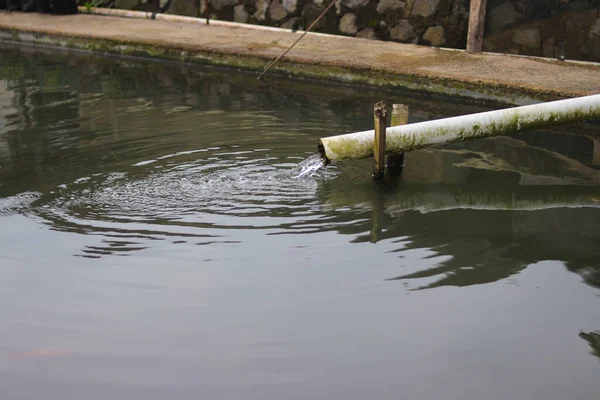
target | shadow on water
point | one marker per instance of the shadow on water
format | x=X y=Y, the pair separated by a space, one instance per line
x=136 y=153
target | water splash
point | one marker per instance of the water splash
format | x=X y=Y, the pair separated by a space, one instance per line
x=17 y=203
x=310 y=166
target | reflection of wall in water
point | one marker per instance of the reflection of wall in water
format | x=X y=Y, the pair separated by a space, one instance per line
x=537 y=157
x=5 y=110
x=40 y=116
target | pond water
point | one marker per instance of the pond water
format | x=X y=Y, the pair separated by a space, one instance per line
x=156 y=242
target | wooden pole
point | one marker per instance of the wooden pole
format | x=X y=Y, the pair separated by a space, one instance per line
x=476 y=26
x=380 y=115
x=399 y=117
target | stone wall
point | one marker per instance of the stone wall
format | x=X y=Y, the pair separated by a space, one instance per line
x=550 y=28
x=428 y=22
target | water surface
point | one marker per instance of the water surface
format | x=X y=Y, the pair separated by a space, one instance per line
x=155 y=241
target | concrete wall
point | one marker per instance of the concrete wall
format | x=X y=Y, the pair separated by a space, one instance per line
x=550 y=28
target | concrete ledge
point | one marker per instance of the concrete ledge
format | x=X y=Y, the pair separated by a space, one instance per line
x=508 y=79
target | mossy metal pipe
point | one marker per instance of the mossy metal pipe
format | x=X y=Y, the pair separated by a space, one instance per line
x=466 y=127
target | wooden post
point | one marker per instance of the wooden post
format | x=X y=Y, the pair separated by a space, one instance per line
x=399 y=117
x=476 y=26
x=380 y=115
x=399 y=114
x=596 y=154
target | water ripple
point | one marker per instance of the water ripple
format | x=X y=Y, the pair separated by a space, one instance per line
x=215 y=192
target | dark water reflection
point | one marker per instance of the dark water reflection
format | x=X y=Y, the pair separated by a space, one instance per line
x=593 y=339
x=154 y=242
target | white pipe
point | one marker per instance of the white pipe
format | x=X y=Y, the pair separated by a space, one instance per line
x=189 y=20
x=473 y=126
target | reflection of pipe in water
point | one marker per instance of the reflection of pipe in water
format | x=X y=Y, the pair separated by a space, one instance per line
x=429 y=198
x=520 y=198
x=474 y=126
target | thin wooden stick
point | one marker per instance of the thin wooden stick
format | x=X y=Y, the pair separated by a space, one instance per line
x=304 y=34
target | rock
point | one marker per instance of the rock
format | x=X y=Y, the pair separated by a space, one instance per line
x=188 y=8
x=311 y=12
x=541 y=8
x=583 y=50
x=126 y=4
x=367 y=33
x=276 y=11
x=221 y=4
x=291 y=23
x=488 y=46
x=348 y=24
x=424 y=8
x=594 y=48
x=595 y=31
x=459 y=11
x=435 y=36
x=319 y=2
x=402 y=32
x=239 y=14
x=290 y=5
x=501 y=17
x=548 y=47
x=384 y=6
x=261 y=10
x=579 y=29
x=529 y=37
x=354 y=4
